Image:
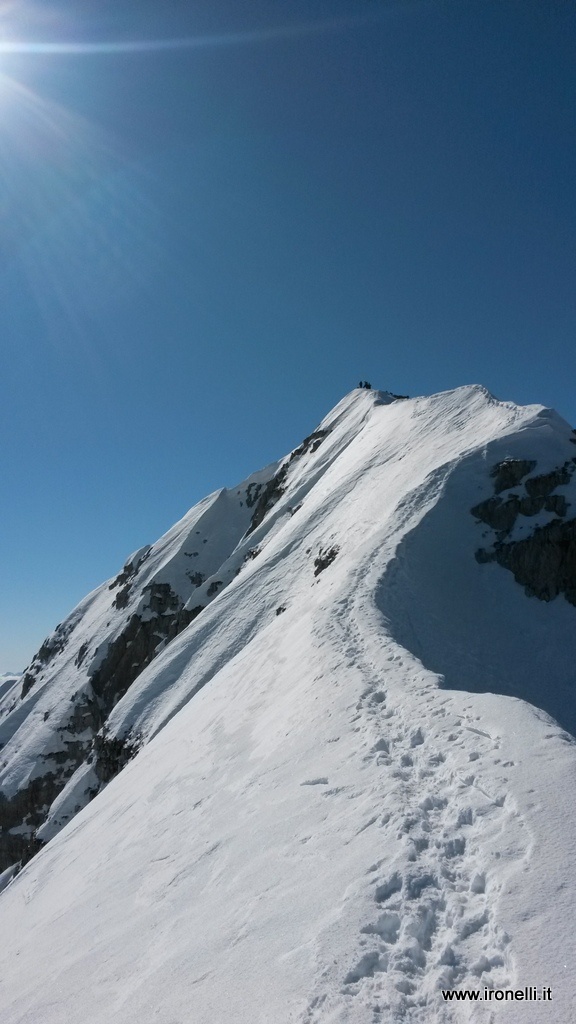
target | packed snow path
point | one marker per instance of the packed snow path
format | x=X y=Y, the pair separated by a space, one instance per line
x=320 y=833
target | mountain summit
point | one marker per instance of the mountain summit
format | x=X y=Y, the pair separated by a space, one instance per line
x=309 y=758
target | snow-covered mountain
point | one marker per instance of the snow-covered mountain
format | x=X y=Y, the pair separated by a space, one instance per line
x=328 y=721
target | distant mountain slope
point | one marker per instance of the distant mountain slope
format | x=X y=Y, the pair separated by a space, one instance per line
x=53 y=719
x=320 y=817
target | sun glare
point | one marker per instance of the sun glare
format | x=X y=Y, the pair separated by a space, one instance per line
x=76 y=213
x=75 y=209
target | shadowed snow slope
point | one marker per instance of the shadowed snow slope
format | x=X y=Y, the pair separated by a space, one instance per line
x=343 y=801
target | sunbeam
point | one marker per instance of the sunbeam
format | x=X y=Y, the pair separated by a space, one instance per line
x=76 y=215
x=74 y=211
x=226 y=39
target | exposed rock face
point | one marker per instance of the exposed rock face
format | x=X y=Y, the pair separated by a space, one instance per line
x=196 y=578
x=544 y=563
x=131 y=568
x=112 y=753
x=548 y=482
x=270 y=494
x=125 y=578
x=83 y=736
x=511 y=472
x=23 y=813
x=136 y=646
x=500 y=515
x=52 y=646
x=324 y=558
x=274 y=489
x=80 y=673
x=122 y=597
x=21 y=844
x=252 y=494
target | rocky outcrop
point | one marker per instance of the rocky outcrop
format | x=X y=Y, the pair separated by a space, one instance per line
x=274 y=489
x=548 y=482
x=83 y=736
x=24 y=812
x=324 y=558
x=544 y=563
x=196 y=578
x=498 y=514
x=269 y=495
x=52 y=646
x=112 y=753
x=510 y=473
x=20 y=818
x=137 y=644
x=125 y=579
x=501 y=515
x=131 y=568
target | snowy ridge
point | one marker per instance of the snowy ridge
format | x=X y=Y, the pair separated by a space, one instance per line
x=330 y=818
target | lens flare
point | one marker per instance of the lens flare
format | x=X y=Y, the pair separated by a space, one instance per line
x=76 y=215
x=205 y=42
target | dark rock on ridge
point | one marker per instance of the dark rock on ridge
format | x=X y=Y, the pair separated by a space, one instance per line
x=196 y=578
x=83 y=737
x=548 y=482
x=274 y=489
x=270 y=494
x=252 y=494
x=122 y=597
x=500 y=515
x=23 y=809
x=26 y=810
x=509 y=473
x=52 y=646
x=545 y=562
x=112 y=753
x=136 y=645
x=130 y=570
x=82 y=652
x=325 y=558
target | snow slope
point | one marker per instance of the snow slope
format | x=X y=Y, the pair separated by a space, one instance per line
x=343 y=801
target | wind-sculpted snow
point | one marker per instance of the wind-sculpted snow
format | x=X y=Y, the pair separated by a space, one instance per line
x=316 y=830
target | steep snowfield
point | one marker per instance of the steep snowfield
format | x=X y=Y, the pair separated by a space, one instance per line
x=329 y=821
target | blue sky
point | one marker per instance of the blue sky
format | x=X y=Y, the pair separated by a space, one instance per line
x=205 y=245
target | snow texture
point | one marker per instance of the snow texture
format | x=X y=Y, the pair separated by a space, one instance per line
x=350 y=792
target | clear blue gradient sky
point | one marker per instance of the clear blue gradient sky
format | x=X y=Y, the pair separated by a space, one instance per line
x=204 y=245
